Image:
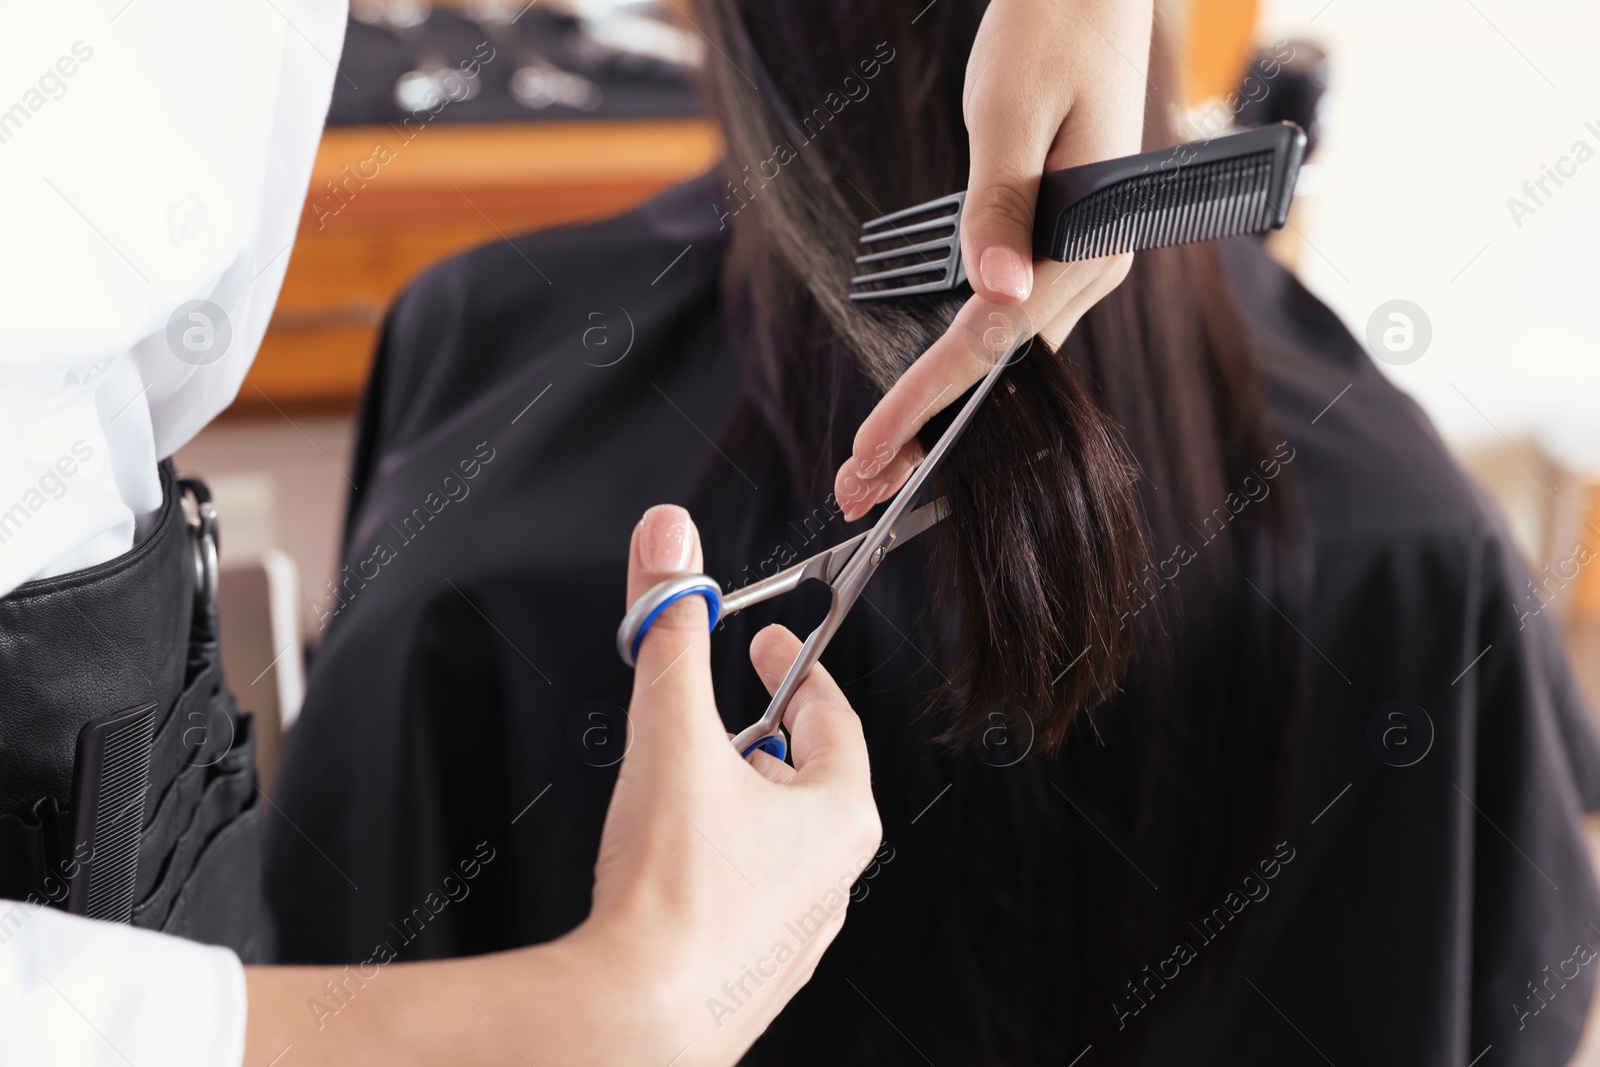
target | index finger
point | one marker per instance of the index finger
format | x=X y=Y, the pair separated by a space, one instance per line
x=884 y=449
x=828 y=742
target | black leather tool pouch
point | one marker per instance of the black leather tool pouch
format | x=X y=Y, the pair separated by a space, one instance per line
x=80 y=648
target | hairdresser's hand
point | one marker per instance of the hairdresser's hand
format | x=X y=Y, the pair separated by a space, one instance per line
x=718 y=887
x=724 y=880
x=1050 y=84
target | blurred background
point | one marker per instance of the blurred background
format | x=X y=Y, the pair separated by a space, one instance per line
x=1448 y=212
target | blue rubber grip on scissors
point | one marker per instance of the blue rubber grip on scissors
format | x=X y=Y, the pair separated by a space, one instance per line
x=713 y=609
x=772 y=746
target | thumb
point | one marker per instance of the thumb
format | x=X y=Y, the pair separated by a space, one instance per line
x=1008 y=146
x=673 y=703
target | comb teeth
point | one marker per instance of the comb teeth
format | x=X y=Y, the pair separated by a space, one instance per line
x=1199 y=202
x=919 y=247
x=111 y=781
x=119 y=818
x=1226 y=186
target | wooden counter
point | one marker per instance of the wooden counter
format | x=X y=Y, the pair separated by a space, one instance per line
x=387 y=201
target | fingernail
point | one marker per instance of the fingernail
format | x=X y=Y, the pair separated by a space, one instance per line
x=866 y=496
x=666 y=539
x=872 y=493
x=1003 y=271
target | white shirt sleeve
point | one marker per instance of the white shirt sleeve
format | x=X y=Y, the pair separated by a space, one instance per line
x=83 y=993
x=154 y=158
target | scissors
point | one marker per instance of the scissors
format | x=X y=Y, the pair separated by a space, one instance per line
x=846 y=568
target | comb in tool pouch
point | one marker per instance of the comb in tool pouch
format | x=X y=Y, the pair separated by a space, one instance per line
x=110 y=778
x=1230 y=185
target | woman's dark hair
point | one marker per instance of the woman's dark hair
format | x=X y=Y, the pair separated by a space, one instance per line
x=1073 y=486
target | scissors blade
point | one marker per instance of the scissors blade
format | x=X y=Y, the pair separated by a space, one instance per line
x=827 y=564
x=895 y=526
x=907 y=527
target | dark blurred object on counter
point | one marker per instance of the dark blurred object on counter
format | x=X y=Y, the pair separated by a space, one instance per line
x=1293 y=88
x=512 y=60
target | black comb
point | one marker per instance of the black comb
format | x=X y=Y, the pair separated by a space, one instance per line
x=109 y=781
x=1230 y=185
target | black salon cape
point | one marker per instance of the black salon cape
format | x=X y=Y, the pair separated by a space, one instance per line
x=444 y=789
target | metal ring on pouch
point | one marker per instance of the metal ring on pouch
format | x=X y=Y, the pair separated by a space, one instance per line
x=206 y=538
